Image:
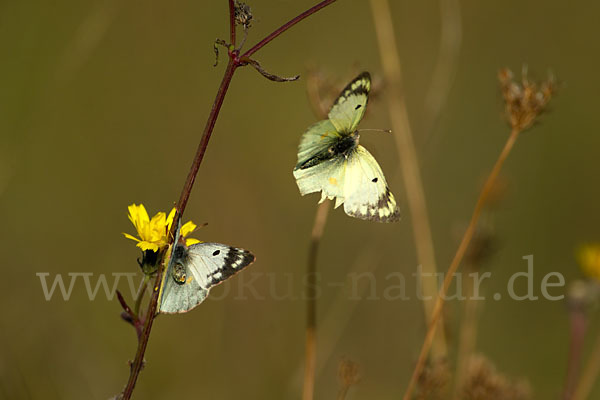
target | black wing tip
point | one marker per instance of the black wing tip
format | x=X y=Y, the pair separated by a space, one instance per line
x=362 y=75
x=348 y=88
x=235 y=261
x=386 y=202
x=395 y=216
x=238 y=259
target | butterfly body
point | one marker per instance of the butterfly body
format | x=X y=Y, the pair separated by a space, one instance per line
x=331 y=160
x=192 y=271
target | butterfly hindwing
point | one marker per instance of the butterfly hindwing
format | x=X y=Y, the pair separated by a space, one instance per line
x=366 y=194
x=181 y=297
x=350 y=106
x=180 y=292
x=326 y=177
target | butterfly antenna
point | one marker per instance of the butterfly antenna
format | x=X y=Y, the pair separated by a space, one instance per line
x=376 y=130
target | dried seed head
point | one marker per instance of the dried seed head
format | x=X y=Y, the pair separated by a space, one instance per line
x=348 y=373
x=434 y=380
x=525 y=100
x=484 y=382
x=582 y=294
x=482 y=247
x=243 y=14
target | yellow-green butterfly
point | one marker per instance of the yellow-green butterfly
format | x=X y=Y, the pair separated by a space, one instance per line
x=331 y=161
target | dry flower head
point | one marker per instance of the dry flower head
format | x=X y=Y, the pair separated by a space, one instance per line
x=484 y=382
x=524 y=100
x=243 y=14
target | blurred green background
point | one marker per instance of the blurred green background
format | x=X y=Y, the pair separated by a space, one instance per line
x=102 y=104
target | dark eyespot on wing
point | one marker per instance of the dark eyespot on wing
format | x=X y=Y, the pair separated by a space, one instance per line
x=358 y=106
x=374 y=180
x=216 y=252
x=234 y=262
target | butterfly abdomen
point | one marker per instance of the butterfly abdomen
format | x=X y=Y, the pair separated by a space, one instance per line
x=342 y=147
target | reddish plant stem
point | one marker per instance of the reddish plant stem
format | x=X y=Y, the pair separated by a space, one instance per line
x=231 y=23
x=234 y=61
x=578 y=324
x=287 y=26
x=181 y=204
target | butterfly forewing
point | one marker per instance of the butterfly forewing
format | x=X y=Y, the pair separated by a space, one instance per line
x=212 y=263
x=350 y=106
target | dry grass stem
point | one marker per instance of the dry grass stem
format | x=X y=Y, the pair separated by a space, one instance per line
x=447 y=63
x=348 y=375
x=524 y=103
x=415 y=193
x=310 y=358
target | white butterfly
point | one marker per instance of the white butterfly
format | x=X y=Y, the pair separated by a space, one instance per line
x=331 y=161
x=193 y=270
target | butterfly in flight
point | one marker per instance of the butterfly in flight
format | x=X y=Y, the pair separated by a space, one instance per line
x=193 y=270
x=331 y=161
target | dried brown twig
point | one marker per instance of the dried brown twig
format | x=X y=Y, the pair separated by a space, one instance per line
x=407 y=152
x=524 y=102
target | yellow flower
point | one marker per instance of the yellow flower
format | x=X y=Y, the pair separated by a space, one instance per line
x=589 y=259
x=153 y=232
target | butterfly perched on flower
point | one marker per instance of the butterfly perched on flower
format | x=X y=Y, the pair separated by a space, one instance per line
x=331 y=161
x=193 y=270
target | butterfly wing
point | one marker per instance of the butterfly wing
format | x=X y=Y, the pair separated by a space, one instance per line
x=181 y=297
x=193 y=270
x=366 y=192
x=318 y=168
x=350 y=106
x=314 y=144
x=326 y=177
x=212 y=263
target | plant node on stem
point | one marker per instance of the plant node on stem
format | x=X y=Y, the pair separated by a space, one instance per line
x=234 y=62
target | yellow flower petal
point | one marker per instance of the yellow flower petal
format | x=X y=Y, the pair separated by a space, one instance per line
x=191 y=241
x=153 y=232
x=170 y=219
x=188 y=228
x=128 y=236
x=148 y=246
x=138 y=217
x=589 y=259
